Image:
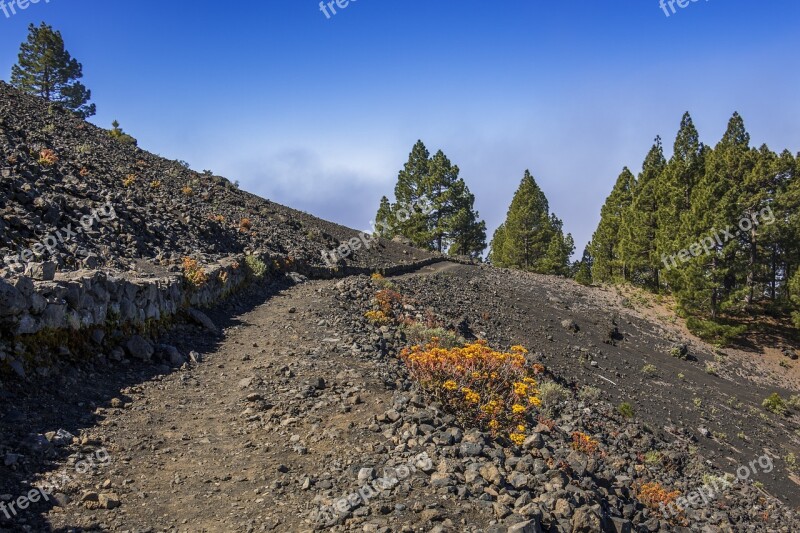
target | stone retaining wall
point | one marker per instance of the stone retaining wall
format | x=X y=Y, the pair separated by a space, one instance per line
x=89 y=301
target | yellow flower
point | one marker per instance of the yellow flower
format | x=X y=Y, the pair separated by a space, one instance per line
x=472 y=397
x=518 y=348
x=494 y=424
x=517 y=438
x=520 y=389
x=534 y=401
x=521 y=428
x=450 y=385
x=517 y=408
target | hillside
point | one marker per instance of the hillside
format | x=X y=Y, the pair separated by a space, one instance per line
x=164 y=211
x=291 y=392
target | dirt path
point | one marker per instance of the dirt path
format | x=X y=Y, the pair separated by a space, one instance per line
x=298 y=403
x=234 y=443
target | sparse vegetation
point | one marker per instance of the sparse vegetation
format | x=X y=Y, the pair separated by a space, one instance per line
x=47 y=157
x=653 y=458
x=654 y=496
x=774 y=404
x=791 y=461
x=193 y=272
x=589 y=394
x=552 y=394
x=255 y=266
x=417 y=333
x=584 y=443
x=626 y=410
x=116 y=133
x=649 y=370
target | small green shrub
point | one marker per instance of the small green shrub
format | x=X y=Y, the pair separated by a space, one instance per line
x=649 y=370
x=653 y=458
x=589 y=394
x=791 y=461
x=794 y=402
x=417 y=333
x=774 y=404
x=715 y=332
x=551 y=395
x=626 y=410
x=256 y=266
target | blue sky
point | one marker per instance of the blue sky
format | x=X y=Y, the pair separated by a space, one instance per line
x=320 y=114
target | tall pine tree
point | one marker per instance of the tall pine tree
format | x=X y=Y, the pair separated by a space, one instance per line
x=530 y=238
x=640 y=223
x=709 y=280
x=674 y=197
x=434 y=207
x=608 y=262
x=46 y=69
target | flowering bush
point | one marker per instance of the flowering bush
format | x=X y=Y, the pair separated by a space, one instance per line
x=48 y=157
x=495 y=390
x=653 y=495
x=584 y=443
x=194 y=272
x=386 y=299
x=379 y=318
x=245 y=224
x=129 y=180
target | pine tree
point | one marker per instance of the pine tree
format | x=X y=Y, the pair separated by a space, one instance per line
x=117 y=133
x=530 y=238
x=674 y=195
x=527 y=231
x=608 y=264
x=758 y=190
x=583 y=268
x=496 y=257
x=47 y=70
x=411 y=188
x=384 y=220
x=640 y=224
x=559 y=251
x=434 y=207
x=794 y=295
x=709 y=279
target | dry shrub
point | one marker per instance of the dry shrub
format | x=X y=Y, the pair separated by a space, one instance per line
x=193 y=272
x=584 y=443
x=653 y=495
x=48 y=157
